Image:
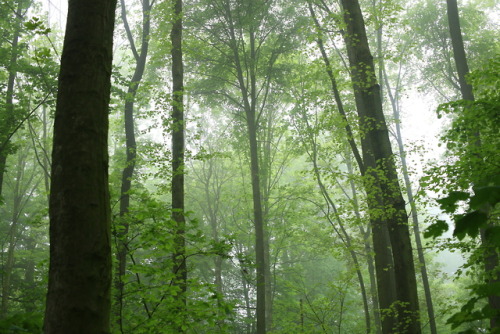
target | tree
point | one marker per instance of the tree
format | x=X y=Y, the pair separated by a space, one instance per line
x=7 y=117
x=178 y=164
x=386 y=203
x=78 y=298
x=248 y=36
x=130 y=142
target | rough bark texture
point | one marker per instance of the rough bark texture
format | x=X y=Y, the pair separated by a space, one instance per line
x=385 y=201
x=178 y=126
x=78 y=299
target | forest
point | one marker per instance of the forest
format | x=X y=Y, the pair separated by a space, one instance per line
x=249 y=166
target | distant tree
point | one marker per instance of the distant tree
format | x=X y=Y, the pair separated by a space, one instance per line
x=140 y=55
x=178 y=163
x=8 y=119
x=78 y=299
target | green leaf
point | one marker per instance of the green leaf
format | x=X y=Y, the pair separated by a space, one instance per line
x=485 y=195
x=449 y=203
x=437 y=229
x=469 y=224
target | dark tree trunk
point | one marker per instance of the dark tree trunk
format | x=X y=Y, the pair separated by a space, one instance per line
x=385 y=201
x=131 y=148
x=78 y=299
x=381 y=243
x=458 y=49
x=491 y=257
x=179 y=256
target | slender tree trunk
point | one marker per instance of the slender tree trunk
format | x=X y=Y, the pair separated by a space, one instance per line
x=258 y=224
x=413 y=207
x=178 y=126
x=8 y=121
x=131 y=150
x=78 y=299
x=13 y=237
x=491 y=257
x=29 y=278
x=385 y=201
x=368 y=250
x=338 y=226
x=249 y=97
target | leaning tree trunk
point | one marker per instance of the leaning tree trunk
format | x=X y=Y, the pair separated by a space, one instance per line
x=78 y=299
x=381 y=243
x=385 y=201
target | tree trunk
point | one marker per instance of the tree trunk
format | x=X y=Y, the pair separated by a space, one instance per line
x=458 y=49
x=178 y=126
x=385 y=201
x=13 y=237
x=368 y=251
x=249 y=97
x=131 y=150
x=381 y=243
x=491 y=257
x=78 y=299
x=9 y=118
x=413 y=207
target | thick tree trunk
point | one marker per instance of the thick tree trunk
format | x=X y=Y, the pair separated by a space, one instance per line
x=178 y=126
x=381 y=243
x=385 y=201
x=78 y=299
x=131 y=150
x=413 y=207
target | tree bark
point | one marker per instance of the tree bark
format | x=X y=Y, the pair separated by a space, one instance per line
x=385 y=201
x=178 y=126
x=78 y=299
